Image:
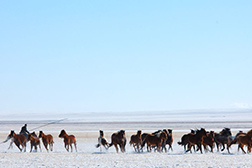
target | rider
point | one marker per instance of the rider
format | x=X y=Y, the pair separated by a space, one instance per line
x=24 y=131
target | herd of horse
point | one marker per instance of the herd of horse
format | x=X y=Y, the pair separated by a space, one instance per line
x=157 y=141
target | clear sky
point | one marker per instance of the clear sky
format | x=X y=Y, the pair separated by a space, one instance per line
x=139 y=55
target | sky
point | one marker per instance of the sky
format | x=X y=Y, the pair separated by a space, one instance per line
x=124 y=56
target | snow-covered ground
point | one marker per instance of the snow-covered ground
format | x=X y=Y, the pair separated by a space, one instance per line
x=86 y=126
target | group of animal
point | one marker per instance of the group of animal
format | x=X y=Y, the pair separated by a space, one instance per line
x=203 y=138
x=20 y=140
x=157 y=140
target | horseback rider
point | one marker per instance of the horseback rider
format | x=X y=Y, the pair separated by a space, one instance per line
x=24 y=131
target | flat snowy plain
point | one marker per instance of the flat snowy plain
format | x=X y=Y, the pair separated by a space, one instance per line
x=86 y=127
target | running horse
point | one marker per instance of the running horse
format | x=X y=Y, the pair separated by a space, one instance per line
x=118 y=138
x=155 y=140
x=68 y=140
x=34 y=141
x=136 y=140
x=209 y=141
x=196 y=139
x=47 y=140
x=184 y=141
x=19 y=140
x=102 y=141
x=222 y=138
x=244 y=139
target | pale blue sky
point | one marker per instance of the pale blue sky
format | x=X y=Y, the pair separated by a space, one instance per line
x=100 y=56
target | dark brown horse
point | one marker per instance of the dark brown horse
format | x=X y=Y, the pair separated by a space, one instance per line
x=34 y=141
x=155 y=140
x=222 y=138
x=143 y=139
x=118 y=138
x=136 y=140
x=68 y=140
x=234 y=141
x=47 y=140
x=19 y=140
x=196 y=139
x=184 y=141
x=102 y=141
x=209 y=141
x=243 y=140
x=168 y=141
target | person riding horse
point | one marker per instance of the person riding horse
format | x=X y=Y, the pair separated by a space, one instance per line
x=24 y=131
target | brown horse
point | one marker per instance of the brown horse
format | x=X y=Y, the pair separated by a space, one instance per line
x=168 y=141
x=68 y=140
x=143 y=139
x=19 y=140
x=243 y=140
x=234 y=141
x=196 y=139
x=209 y=141
x=102 y=141
x=184 y=141
x=118 y=138
x=47 y=140
x=154 y=140
x=136 y=140
x=34 y=141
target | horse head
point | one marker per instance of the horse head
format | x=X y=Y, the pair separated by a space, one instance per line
x=62 y=133
x=40 y=134
x=123 y=133
x=139 y=132
x=101 y=133
x=203 y=132
x=249 y=133
x=163 y=135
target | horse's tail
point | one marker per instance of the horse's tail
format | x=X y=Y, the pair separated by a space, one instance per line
x=233 y=142
x=109 y=145
x=180 y=143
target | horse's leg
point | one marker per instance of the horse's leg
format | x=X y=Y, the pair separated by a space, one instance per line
x=185 y=148
x=31 y=148
x=228 y=148
x=122 y=147
x=211 y=146
x=71 y=147
x=189 y=148
x=67 y=147
x=36 y=148
x=51 y=145
x=200 y=148
x=217 y=146
x=205 y=148
x=46 y=145
x=19 y=147
x=12 y=140
x=241 y=146
x=223 y=147
x=134 y=146
x=24 y=147
x=75 y=146
x=170 y=147
x=116 y=147
x=138 y=147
